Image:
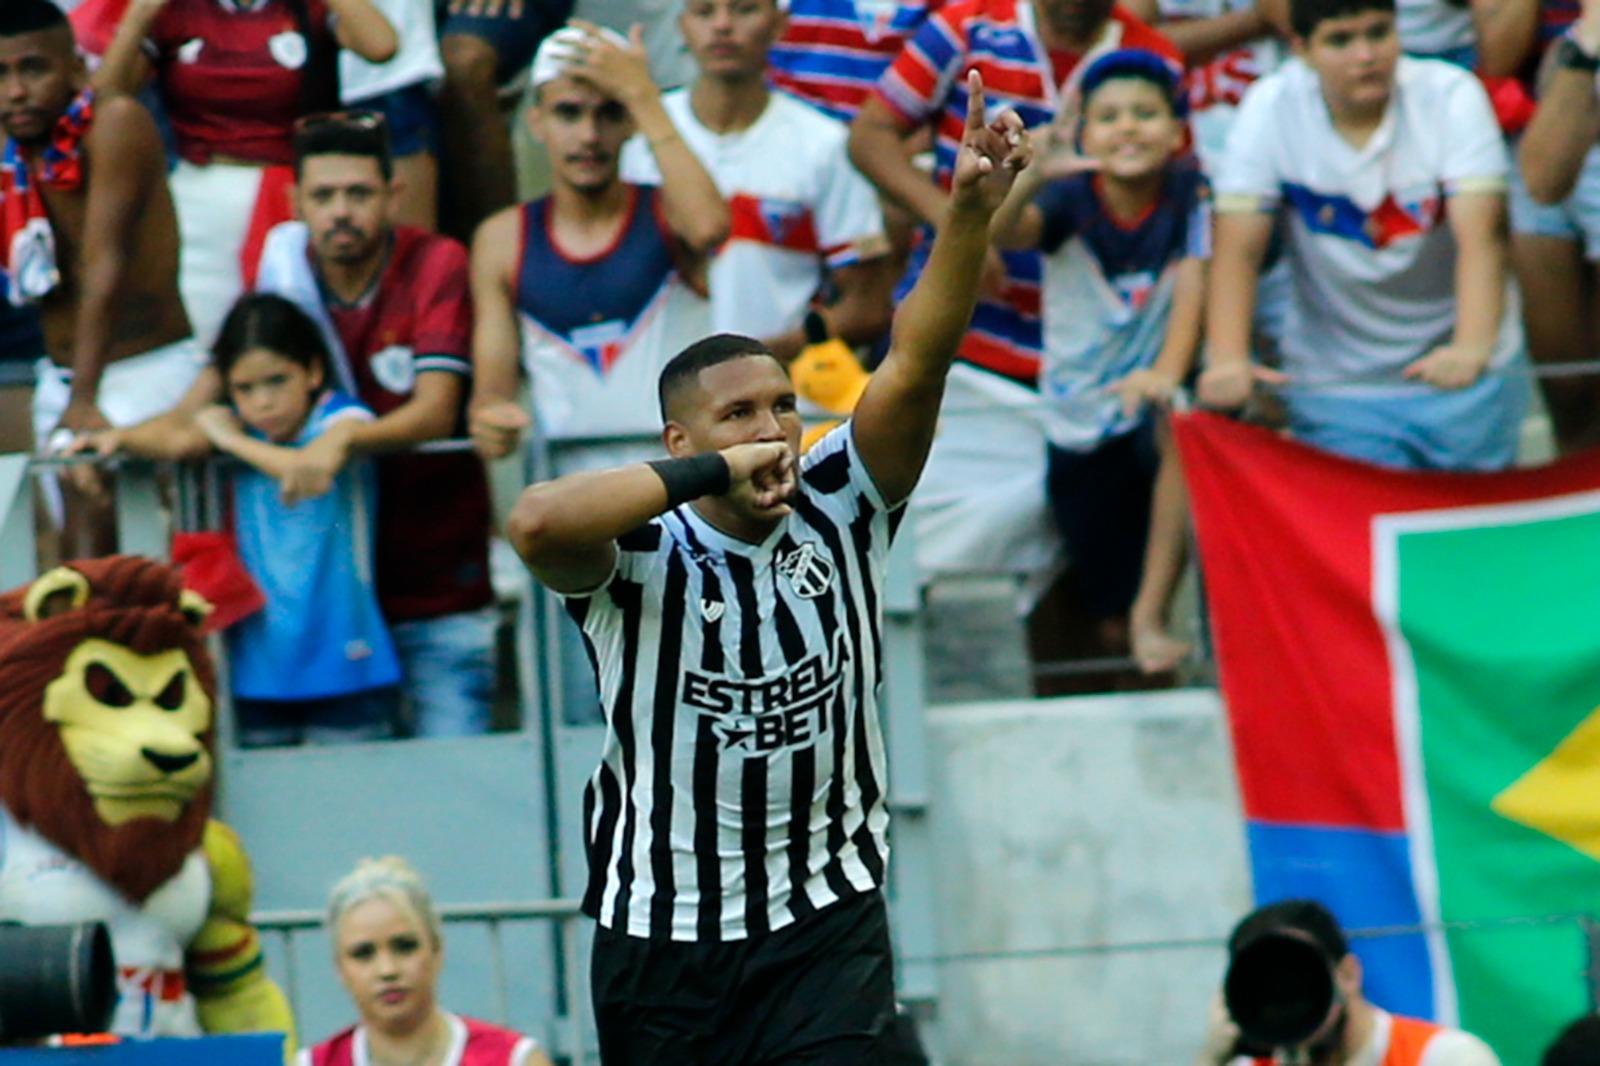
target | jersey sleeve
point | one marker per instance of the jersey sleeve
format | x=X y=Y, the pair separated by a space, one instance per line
x=1054 y=202
x=638 y=164
x=835 y=479
x=1474 y=149
x=1248 y=177
x=849 y=219
x=918 y=81
x=443 y=338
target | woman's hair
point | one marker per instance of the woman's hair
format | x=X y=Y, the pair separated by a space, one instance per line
x=391 y=878
x=263 y=320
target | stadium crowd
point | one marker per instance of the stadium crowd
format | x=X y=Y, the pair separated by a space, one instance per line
x=1346 y=250
x=286 y=231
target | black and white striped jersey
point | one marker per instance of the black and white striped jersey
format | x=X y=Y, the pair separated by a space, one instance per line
x=742 y=783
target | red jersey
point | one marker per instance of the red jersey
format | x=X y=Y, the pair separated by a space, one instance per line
x=232 y=75
x=433 y=510
x=1408 y=1042
x=472 y=1043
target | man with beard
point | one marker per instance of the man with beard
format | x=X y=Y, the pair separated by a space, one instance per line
x=118 y=340
x=595 y=285
x=393 y=304
x=1354 y=1032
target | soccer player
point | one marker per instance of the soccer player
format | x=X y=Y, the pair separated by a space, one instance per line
x=1398 y=338
x=732 y=598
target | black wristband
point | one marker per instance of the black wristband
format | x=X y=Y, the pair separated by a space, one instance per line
x=693 y=477
x=1570 y=55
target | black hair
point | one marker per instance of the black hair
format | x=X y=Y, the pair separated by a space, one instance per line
x=266 y=320
x=1306 y=15
x=319 y=76
x=685 y=367
x=363 y=133
x=1578 y=1044
x=18 y=17
x=1303 y=915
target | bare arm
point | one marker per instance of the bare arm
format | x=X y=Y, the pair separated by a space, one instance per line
x=566 y=529
x=361 y=28
x=1241 y=240
x=496 y=418
x=1478 y=222
x=125 y=160
x=877 y=150
x=895 y=420
x=221 y=426
x=1508 y=31
x=1567 y=123
x=1203 y=39
x=124 y=68
x=172 y=436
x=695 y=210
x=861 y=313
x=1019 y=224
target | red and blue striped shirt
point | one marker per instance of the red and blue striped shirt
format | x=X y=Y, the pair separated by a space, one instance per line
x=833 y=52
x=927 y=83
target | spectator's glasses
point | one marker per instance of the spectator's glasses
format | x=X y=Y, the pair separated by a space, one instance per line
x=365 y=121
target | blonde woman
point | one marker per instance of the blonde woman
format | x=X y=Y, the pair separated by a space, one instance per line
x=388 y=948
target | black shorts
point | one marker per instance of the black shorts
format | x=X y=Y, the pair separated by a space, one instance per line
x=819 y=992
x=1101 y=503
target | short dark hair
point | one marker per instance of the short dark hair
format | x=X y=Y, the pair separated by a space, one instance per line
x=343 y=133
x=684 y=368
x=1303 y=915
x=1306 y=15
x=1578 y=1044
x=266 y=320
x=18 y=17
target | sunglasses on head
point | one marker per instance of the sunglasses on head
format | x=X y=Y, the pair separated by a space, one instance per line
x=350 y=120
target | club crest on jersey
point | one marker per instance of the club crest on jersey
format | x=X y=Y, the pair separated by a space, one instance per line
x=289 y=49
x=712 y=610
x=395 y=368
x=782 y=217
x=809 y=572
x=761 y=717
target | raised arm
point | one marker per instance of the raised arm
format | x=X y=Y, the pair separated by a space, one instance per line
x=124 y=68
x=361 y=28
x=495 y=417
x=696 y=212
x=895 y=420
x=126 y=159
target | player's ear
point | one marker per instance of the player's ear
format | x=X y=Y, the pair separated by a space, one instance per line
x=676 y=439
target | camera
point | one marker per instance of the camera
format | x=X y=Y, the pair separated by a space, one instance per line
x=55 y=979
x=1279 y=990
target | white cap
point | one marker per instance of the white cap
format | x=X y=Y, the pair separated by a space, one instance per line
x=561 y=49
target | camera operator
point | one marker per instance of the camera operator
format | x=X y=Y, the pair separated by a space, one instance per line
x=1293 y=995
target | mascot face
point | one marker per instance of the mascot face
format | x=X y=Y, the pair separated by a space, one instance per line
x=134 y=727
x=106 y=697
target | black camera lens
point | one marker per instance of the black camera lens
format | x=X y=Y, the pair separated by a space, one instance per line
x=55 y=979
x=1279 y=989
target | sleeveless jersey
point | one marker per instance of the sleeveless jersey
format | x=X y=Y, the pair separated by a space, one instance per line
x=42 y=885
x=472 y=1043
x=597 y=331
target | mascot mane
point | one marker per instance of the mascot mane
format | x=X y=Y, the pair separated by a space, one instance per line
x=133 y=602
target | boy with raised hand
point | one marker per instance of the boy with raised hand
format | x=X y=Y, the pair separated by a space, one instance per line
x=1400 y=333
x=1126 y=229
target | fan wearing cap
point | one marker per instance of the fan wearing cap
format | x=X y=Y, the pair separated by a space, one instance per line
x=1293 y=994
x=1123 y=217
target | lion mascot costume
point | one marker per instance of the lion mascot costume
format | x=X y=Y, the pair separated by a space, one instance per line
x=106 y=728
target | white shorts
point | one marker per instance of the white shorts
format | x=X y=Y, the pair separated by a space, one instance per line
x=980 y=507
x=132 y=390
x=216 y=204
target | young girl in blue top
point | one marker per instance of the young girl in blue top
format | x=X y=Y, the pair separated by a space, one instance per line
x=1123 y=217
x=316 y=664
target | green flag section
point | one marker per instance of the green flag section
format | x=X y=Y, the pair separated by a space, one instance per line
x=1411 y=668
x=1498 y=613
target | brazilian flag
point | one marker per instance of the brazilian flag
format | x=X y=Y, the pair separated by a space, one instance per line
x=1411 y=666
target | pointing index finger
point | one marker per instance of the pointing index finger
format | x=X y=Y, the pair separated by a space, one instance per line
x=975 y=107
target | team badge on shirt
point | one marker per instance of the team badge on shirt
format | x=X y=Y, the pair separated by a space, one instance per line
x=810 y=574
x=289 y=49
x=395 y=368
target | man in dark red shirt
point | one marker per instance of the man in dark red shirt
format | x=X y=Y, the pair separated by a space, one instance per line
x=394 y=306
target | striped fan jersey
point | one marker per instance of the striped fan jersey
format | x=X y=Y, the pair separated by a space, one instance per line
x=833 y=51
x=927 y=84
x=742 y=782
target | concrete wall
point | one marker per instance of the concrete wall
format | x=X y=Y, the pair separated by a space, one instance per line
x=1070 y=823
